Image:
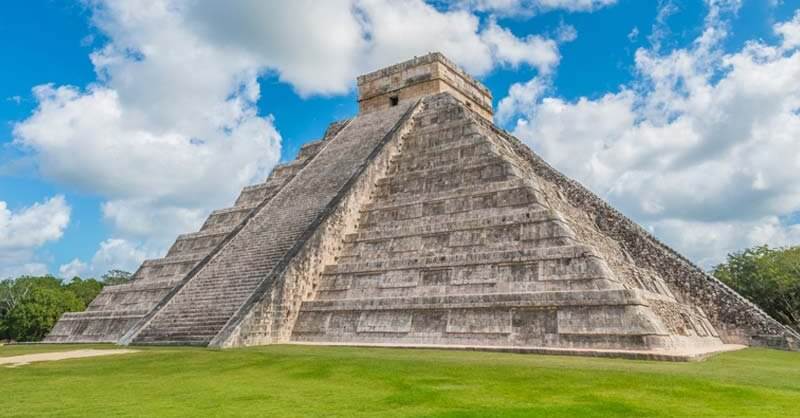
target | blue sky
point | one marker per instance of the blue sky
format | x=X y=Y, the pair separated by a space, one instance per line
x=578 y=80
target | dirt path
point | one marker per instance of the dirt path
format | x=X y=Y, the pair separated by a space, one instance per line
x=16 y=361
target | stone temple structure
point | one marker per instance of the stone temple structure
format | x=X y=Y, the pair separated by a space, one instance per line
x=420 y=223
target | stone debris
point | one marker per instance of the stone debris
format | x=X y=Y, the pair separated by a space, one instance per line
x=419 y=223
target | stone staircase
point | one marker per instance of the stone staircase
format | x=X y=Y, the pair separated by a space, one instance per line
x=118 y=308
x=209 y=300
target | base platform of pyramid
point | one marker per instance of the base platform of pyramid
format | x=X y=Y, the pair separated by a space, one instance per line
x=418 y=223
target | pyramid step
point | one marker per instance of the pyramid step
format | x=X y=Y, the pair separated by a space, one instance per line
x=483 y=168
x=206 y=311
x=286 y=170
x=201 y=250
x=420 y=206
x=212 y=288
x=444 y=163
x=218 y=308
x=223 y=289
x=210 y=322
x=447 y=245
x=203 y=234
x=194 y=310
x=530 y=299
x=465 y=145
x=453 y=283
x=460 y=221
x=116 y=313
x=227 y=218
x=440 y=134
x=188 y=321
x=520 y=230
x=170 y=268
x=488 y=276
x=198 y=244
x=170 y=261
x=210 y=304
x=169 y=339
x=567 y=252
x=140 y=285
x=200 y=328
x=255 y=194
x=182 y=337
x=310 y=149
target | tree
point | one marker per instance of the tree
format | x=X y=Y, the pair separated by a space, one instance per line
x=114 y=277
x=86 y=290
x=34 y=316
x=12 y=292
x=768 y=277
x=30 y=306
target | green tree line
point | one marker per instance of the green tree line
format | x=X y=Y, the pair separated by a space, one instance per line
x=770 y=277
x=31 y=305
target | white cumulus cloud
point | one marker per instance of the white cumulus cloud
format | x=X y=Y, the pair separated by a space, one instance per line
x=24 y=230
x=534 y=50
x=703 y=148
x=112 y=254
x=34 y=225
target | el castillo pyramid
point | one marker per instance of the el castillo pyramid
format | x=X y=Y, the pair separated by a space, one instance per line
x=420 y=223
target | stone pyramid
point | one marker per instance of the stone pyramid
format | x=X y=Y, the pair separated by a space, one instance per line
x=420 y=223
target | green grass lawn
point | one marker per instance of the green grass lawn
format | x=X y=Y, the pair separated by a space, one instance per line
x=294 y=381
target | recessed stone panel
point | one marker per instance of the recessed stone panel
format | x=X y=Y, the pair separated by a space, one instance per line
x=612 y=320
x=534 y=326
x=479 y=321
x=385 y=321
x=343 y=323
x=520 y=272
x=312 y=323
x=362 y=281
x=476 y=274
x=335 y=283
x=398 y=278
x=438 y=277
x=429 y=322
x=502 y=234
x=466 y=238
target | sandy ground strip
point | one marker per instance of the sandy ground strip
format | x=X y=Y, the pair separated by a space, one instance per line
x=16 y=361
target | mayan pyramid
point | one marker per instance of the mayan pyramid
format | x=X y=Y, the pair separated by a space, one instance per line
x=420 y=223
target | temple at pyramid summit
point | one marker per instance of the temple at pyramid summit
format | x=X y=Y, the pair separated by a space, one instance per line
x=419 y=223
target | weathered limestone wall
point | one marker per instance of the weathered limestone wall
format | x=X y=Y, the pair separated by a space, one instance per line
x=422 y=76
x=271 y=318
x=682 y=321
x=458 y=248
x=734 y=318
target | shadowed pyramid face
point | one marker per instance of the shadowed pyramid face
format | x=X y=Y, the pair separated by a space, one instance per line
x=419 y=223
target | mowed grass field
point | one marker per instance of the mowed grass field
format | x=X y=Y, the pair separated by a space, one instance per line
x=299 y=381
